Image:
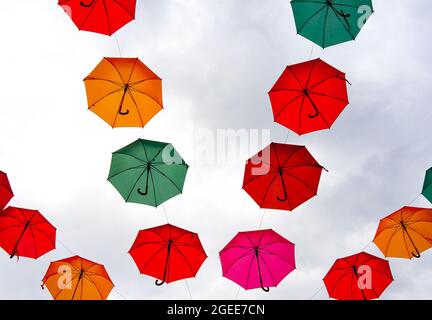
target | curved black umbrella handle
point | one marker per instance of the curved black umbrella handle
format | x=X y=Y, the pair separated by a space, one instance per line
x=345 y=16
x=87 y=5
x=265 y=289
x=124 y=113
x=285 y=195
x=159 y=282
x=416 y=254
x=144 y=193
x=316 y=114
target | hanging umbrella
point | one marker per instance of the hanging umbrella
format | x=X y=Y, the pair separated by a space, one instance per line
x=427 y=186
x=168 y=253
x=309 y=96
x=148 y=172
x=405 y=233
x=124 y=92
x=330 y=22
x=76 y=278
x=282 y=176
x=257 y=259
x=100 y=16
x=25 y=233
x=6 y=193
x=358 y=277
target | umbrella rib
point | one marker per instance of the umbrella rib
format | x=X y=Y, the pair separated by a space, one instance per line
x=311 y=17
x=154 y=190
x=90 y=12
x=291 y=155
x=328 y=96
x=118 y=72
x=129 y=155
x=338 y=75
x=61 y=290
x=31 y=227
x=108 y=22
x=158 y=153
x=127 y=11
x=100 y=79
x=92 y=282
x=268 y=270
x=300 y=113
x=169 y=179
x=141 y=81
x=295 y=76
x=339 y=280
x=250 y=268
x=237 y=260
x=311 y=71
x=267 y=191
x=343 y=25
x=123 y=171
x=286 y=105
x=9 y=227
x=147 y=95
x=134 y=186
x=136 y=106
x=279 y=257
x=145 y=151
x=150 y=259
x=133 y=69
x=186 y=261
x=324 y=27
x=390 y=239
x=303 y=183
x=105 y=96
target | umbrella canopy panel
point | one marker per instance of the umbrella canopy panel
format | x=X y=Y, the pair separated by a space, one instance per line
x=6 y=193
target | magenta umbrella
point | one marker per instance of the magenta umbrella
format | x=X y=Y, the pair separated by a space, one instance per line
x=258 y=259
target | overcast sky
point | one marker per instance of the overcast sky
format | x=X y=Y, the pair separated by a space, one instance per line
x=217 y=59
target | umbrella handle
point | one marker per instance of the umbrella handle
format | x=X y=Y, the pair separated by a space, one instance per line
x=159 y=282
x=285 y=198
x=143 y=193
x=314 y=115
x=124 y=113
x=87 y=5
x=345 y=16
x=265 y=289
x=416 y=254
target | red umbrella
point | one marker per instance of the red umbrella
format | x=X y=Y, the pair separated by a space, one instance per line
x=6 y=193
x=309 y=96
x=100 y=16
x=358 y=277
x=282 y=176
x=168 y=253
x=25 y=233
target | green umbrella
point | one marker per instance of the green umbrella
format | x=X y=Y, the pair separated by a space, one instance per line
x=427 y=186
x=148 y=172
x=330 y=22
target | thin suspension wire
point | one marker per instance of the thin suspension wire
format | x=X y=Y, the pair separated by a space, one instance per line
x=316 y=293
x=188 y=289
x=237 y=294
x=262 y=219
x=118 y=45
x=165 y=214
x=311 y=51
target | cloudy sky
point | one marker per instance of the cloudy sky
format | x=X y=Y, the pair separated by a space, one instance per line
x=218 y=59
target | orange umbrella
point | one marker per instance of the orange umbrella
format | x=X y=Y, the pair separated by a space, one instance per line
x=76 y=278
x=405 y=233
x=124 y=92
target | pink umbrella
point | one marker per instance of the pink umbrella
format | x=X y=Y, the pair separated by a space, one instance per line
x=258 y=259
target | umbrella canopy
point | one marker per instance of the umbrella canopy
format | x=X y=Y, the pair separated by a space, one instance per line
x=427 y=186
x=358 y=277
x=76 y=278
x=100 y=16
x=6 y=193
x=148 y=172
x=257 y=259
x=168 y=253
x=124 y=92
x=330 y=22
x=309 y=96
x=26 y=233
x=405 y=233
x=282 y=176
